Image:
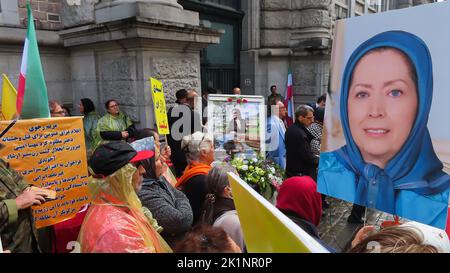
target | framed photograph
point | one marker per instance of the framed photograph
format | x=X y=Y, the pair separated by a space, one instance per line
x=385 y=143
x=237 y=125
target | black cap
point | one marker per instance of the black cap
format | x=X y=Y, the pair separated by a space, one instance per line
x=110 y=157
x=181 y=94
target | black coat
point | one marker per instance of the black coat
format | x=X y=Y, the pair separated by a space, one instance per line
x=299 y=158
x=196 y=189
x=178 y=157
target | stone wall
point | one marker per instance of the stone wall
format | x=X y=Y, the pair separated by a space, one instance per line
x=310 y=77
x=56 y=68
x=284 y=23
x=295 y=34
x=77 y=12
x=47 y=13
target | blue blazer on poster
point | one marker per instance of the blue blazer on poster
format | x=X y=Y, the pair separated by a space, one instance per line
x=412 y=184
x=276 y=148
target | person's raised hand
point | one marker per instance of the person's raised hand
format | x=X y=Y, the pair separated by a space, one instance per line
x=30 y=198
x=166 y=152
x=125 y=134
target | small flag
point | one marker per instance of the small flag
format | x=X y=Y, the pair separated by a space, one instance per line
x=289 y=100
x=9 y=97
x=32 y=99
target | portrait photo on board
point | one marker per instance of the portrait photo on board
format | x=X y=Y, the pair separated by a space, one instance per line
x=386 y=141
x=237 y=125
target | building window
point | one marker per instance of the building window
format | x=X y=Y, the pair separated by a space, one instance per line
x=374 y=5
x=342 y=9
x=235 y=4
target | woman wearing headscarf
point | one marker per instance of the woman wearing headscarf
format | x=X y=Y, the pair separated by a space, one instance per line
x=90 y=120
x=116 y=222
x=388 y=162
x=169 y=206
x=219 y=208
x=299 y=200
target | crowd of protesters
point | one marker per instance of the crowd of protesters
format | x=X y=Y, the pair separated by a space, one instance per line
x=153 y=197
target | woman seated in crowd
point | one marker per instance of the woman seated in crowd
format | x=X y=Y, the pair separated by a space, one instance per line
x=90 y=120
x=169 y=206
x=207 y=239
x=115 y=125
x=299 y=200
x=116 y=221
x=219 y=209
x=199 y=150
x=165 y=153
x=411 y=237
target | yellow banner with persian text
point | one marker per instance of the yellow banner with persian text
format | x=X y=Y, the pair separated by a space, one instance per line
x=50 y=153
x=159 y=104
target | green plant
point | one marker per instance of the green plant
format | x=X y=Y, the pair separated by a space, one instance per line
x=262 y=174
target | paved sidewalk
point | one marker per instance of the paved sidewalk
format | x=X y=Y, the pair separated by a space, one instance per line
x=334 y=228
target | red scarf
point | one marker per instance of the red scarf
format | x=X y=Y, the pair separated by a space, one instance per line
x=299 y=195
x=193 y=169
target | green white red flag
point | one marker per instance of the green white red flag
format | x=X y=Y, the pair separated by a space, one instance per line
x=32 y=98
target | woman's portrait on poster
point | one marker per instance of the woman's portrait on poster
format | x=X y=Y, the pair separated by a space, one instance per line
x=388 y=162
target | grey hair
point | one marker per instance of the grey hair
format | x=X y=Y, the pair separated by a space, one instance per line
x=303 y=110
x=193 y=144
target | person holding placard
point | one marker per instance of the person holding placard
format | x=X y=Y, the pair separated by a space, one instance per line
x=17 y=228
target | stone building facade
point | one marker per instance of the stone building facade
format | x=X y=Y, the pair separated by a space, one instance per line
x=278 y=34
x=109 y=49
x=104 y=49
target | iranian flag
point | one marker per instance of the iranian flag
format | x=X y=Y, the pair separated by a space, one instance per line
x=32 y=99
x=289 y=100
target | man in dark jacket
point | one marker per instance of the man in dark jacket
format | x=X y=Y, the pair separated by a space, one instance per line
x=183 y=121
x=17 y=229
x=299 y=158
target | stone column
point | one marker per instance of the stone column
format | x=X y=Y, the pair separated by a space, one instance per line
x=130 y=41
x=250 y=45
x=312 y=23
x=167 y=10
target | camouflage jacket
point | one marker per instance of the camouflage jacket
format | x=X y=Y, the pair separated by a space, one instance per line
x=17 y=229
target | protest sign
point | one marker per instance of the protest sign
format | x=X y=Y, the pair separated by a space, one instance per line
x=265 y=228
x=385 y=145
x=159 y=104
x=237 y=125
x=50 y=153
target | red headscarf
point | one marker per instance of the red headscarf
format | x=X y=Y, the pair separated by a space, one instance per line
x=299 y=195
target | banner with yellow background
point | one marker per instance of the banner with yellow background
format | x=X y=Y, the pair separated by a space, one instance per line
x=50 y=153
x=159 y=104
x=265 y=228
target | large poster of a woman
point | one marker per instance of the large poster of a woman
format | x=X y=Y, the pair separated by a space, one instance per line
x=382 y=149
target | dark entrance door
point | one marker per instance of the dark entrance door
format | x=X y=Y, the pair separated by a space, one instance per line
x=220 y=63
